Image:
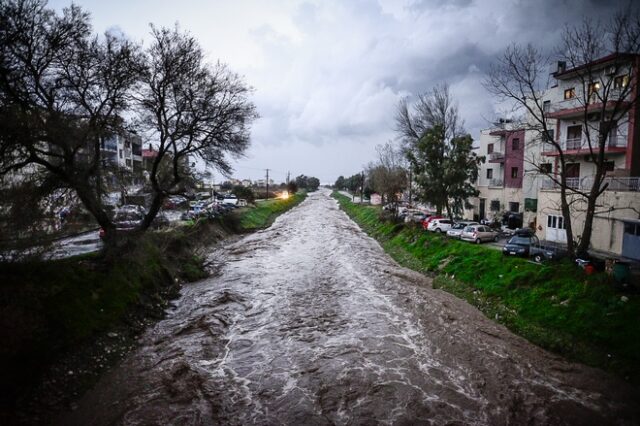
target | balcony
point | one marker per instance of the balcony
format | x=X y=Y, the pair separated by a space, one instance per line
x=496 y=157
x=613 y=183
x=496 y=183
x=580 y=146
x=575 y=108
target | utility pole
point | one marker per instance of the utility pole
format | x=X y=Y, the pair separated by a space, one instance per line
x=410 y=198
x=362 y=189
x=288 y=174
x=267 y=184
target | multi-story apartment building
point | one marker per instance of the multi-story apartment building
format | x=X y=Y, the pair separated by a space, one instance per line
x=125 y=152
x=500 y=177
x=603 y=92
x=520 y=160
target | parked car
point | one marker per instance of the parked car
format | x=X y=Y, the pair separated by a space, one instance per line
x=415 y=216
x=174 y=201
x=242 y=202
x=126 y=218
x=524 y=243
x=230 y=199
x=456 y=228
x=439 y=225
x=428 y=219
x=479 y=234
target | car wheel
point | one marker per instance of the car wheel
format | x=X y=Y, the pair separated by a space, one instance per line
x=438 y=230
x=497 y=238
x=478 y=241
x=537 y=258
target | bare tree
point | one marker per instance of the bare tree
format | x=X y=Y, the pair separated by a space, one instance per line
x=600 y=58
x=195 y=111
x=62 y=90
x=388 y=175
x=439 y=153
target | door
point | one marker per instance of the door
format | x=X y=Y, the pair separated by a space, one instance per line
x=556 y=231
x=631 y=240
x=482 y=207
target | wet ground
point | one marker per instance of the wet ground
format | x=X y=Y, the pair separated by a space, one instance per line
x=310 y=322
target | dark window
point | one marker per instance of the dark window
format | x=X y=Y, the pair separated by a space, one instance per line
x=514 y=172
x=548 y=137
x=489 y=148
x=546 y=106
x=514 y=207
x=572 y=170
x=120 y=153
x=515 y=144
x=545 y=168
x=570 y=93
x=489 y=173
x=495 y=205
x=531 y=204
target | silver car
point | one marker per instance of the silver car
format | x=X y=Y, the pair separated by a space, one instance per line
x=479 y=234
x=457 y=228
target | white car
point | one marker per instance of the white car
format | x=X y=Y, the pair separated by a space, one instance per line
x=440 y=225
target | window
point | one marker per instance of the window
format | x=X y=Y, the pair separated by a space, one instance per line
x=556 y=222
x=489 y=148
x=621 y=81
x=609 y=166
x=570 y=93
x=531 y=204
x=546 y=106
x=128 y=162
x=632 y=228
x=514 y=172
x=545 y=168
x=120 y=153
x=549 y=136
x=594 y=87
x=495 y=205
x=489 y=173
x=514 y=207
x=515 y=144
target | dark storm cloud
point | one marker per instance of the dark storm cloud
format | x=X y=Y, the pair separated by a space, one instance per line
x=329 y=74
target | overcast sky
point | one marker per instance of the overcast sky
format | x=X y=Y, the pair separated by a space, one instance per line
x=328 y=74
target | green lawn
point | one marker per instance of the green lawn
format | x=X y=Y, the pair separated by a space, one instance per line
x=266 y=211
x=554 y=305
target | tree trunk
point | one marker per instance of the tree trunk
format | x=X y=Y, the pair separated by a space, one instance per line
x=566 y=214
x=94 y=206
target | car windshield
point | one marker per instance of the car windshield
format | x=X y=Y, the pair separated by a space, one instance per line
x=521 y=241
x=468 y=229
x=458 y=226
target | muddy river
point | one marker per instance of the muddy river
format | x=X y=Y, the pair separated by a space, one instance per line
x=310 y=323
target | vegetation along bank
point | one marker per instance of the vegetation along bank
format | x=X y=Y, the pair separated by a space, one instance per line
x=554 y=305
x=63 y=322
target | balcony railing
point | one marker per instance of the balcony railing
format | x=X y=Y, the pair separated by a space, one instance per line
x=575 y=144
x=613 y=183
x=623 y=183
x=496 y=183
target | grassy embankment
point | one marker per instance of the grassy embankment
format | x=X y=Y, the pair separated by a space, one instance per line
x=555 y=305
x=49 y=308
x=266 y=211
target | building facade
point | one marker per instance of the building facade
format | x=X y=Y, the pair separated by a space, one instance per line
x=584 y=100
x=500 y=177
